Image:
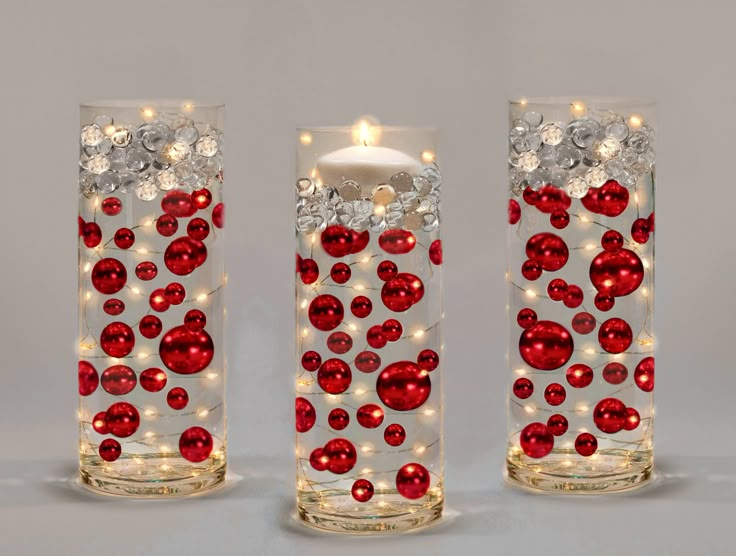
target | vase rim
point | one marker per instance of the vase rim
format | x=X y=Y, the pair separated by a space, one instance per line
x=159 y=103
x=586 y=99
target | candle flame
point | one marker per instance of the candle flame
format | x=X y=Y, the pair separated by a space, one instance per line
x=366 y=131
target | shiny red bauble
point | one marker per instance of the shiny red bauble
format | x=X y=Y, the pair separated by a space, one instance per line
x=555 y=394
x=88 y=378
x=557 y=289
x=435 y=252
x=337 y=241
x=612 y=241
x=523 y=388
x=113 y=307
x=177 y=398
x=179 y=204
x=550 y=199
x=195 y=444
x=375 y=338
x=531 y=270
x=615 y=373
x=397 y=295
x=586 y=444
x=609 y=200
x=198 y=229
x=559 y=219
x=311 y=360
x=338 y=419
x=339 y=342
x=370 y=416
x=583 y=323
x=549 y=250
x=118 y=380
x=99 y=424
x=609 y=415
x=218 y=215
x=632 y=419
x=341 y=455
x=167 y=225
x=109 y=276
x=201 y=198
x=604 y=302
x=412 y=481
x=110 y=449
x=318 y=460
x=111 y=206
x=367 y=361
x=308 y=271
x=186 y=352
x=394 y=435
x=157 y=300
x=306 y=415
x=175 y=293
x=579 y=375
x=361 y=306
x=536 y=440
x=392 y=330
x=574 y=297
x=387 y=270
x=150 y=326
x=91 y=234
x=640 y=230
x=153 y=380
x=124 y=238
x=397 y=242
x=546 y=346
x=195 y=320
x=326 y=312
x=428 y=360
x=644 y=374
x=514 y=211
x=334 y=376
x=362 y=490
x=403 y=386
x=615 y=335
x=184 y=255
x=122 y=419
x=618 y=273
x=146 y=271
x=557 y=424
x=340 y=273
x=117 y=339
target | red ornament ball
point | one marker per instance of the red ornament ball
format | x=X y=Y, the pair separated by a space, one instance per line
x=428 y=360
x=609 y=415
x=124 y=238
x=184 y=255
x=91 y=234
x=387 y=270
x=615 y=335
x=574 y=297
x=651 y=223
x=514 y=211
x=397 y=295
x=218 y=215
x=612 y=241
x=557 y=289
x=557 y=424
x=361 y=306
x=112 y=206
x=397 y=242
x=99 y=424
x=412 y=481
x=640 y=230
x=113 y=307
x=201 y=198
x=403 y=386
x=308 y=271
x=523 y=388
x=334 y=376
x=195 y=320
x=555 y=394
x=339 y=342
x=632 y=419
x=311 y=360
x=392 y=330
x=186 y=352
x=360 y=241
x=583 y=323
x=362 y=490
x=610 y=200
x=110 y=449
x=435 y=252
x=306 y=415
x=394 y=435
x=88 y=378
x=546 y=346
x=177 y=398
x=644 y=374
x=526 y=318
x=178 y=203
x=341 y=455
x=109 y=276
x=550 y=199
x=375 y=337
x=337 y=241
x=325 y=312
x=167 y=225
x=175 y=293
x=153 y=380
x=586 y=444
x=604 y=302
x=198 y=229
x=340 y=273
x=615 y=373
x=579 y=375
x=157 y=300
x=150 y=326
x=146 y=271
x=318 y=460
x=367 y=362
x=617 y=274
x=530 y=196
x=549 y=250
x=559 y=219
x=118 y=380
x=122 y=419
x=117 y=339
x=415 y=284
x=531 y=270
x=195 y=444
x=536 y=440
x=370 y=416
x=338 y=419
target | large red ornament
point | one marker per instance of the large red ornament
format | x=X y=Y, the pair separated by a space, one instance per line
x=574 y=297
x=109 y=276
x=530 y=196
x=318 y=460
x=609 y=415
x=338 y=419
x=337 y=241
x=583 y=323
x=640 y=230
x=549 y=250
x=177 y=398
x=341 y=455
x=616 y=274
x=175 y=293
x=579 y=375
x=609 y=200
x=397 y=295
x=370 y=416
x=113 y=307
x=186 y=352
x=91 y=234
x=435 y=252
x=615 y=335
x=514 y=211
x=361 y=306
x=555 y=394
x=397 y=242
x=557 y=289
x=326 y=312
x=394 y=435
x=612 y=241
x=306 y=416
x=88 y=378
x=557 y=424
x=550 y=199
x=311 y=360
x=526 y=318
x=340 y=273
x=157 y=300
x=122 y=419
x=124 y=238
x=523 y=388
x=392 y=330
x=195 y=444
x=150 y=326
x=387 y=270
x=146 y=271
x=428 y=360
x=184 y=255
x=167 y=225
x=179 y=204
x=586 y=444
x=198 y=229
x=615 y=373
x=632 y=419
x=118 y=380
x=195 y=320
x=360 y=241
x=218 y=215
x=153 y=380
x=201 y=198
x=403 y=386
x=339 y=342
x=110 y=449
x=531 y=270
x=367 y=362
x=111 y=206
x=546 y=346
x=644 y=374
x=375 y=338
x=117 y=339
x=334 y=376
x=536 y=440
x=362 y=490
x=412 y=481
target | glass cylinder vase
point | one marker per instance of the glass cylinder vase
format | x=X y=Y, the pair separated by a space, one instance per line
x=369 y=342
x=151 y=280
x=581 y=293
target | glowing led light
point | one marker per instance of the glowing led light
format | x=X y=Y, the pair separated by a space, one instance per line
x=109 y=130
x=429 y=412
x=590 y=247
x=97 y=202
x=314 y=238
x=305 y=138
x=583 y=218
x=303 y=304
x=366 y=471
x=523 y=102
x=201 y=297
x=211 y=376
x=148 y=113
x=582 y=408
x=365 y=260
x=352 y=327
x=419 y=450
x=143 y=355
x=165 y=467
x=636 y=198
x=531 y=293
x=520 y=371
x=360 y=392
x=203 y=413
x=635 y=121
x=645 y=292
x=138 y=460
x=188 y=107
x=305 y=332
x=530 y=408
x=367 y=448
x=88 y=296
x=589 y=351
x=578 y=109
x=418 y=334
x=87 y=267
x=428 y=157
x=149 y=434
x=143 y=251
x=359 y=287
x=149 y=412
x=135 y=290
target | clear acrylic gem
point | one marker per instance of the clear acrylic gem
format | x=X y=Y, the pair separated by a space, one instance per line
x=596 y=177
x=87 y=183
x=557 y=177
x=98 y=163
x=360 y=222
x=529 y=161
x=146 y=189
x=207 y=145
x=102 y=121
x=645 y=162
x=609 y=148
x=117 y=160
x=121 y=137
x=141 y=131
x=107 y=182
x=537 y=179
x=533 y=141
x=156 y=138
x=401 y=182
x=344 y=212
x=167 y=180
x=376 y=223
x=183 y=170
x=430 y=222
x=421 y=185
x=614 y=167
x=187 y=134
x=413 y=221
x=629 y=157
x=627 y=178
x=517 y=181
x=638 y=141
x=409 y=201
x=584 y=132
x=576 y=187
x=547 y=156
x=395 y=219
x=349 y=190
x=567 y=156
x=434 y=176
x=305 y=187
x=105 y=146
x=138 y=159
x=617 y=130
x=383 y=194
x=128 y=181
x=551 y=134
x=533 y=119
x=514 y=161
x=519 y=128
x=91 y=135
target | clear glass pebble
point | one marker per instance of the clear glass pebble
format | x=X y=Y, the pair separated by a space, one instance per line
x=376 y=223
x=409 y=201
x=183 y=170
x=433 y=175
x=167 y=180
x=614 y=167
x=413 y=221
x=551 y=134
x=383 y=194
x=430 y=222
x=187 y=134
x=629 y=157
x=128 y=181
x=529 y=161
x=401 y=182
x=567 y=156
x=596 y=177
x=576 y=187
x=360 y=222
x=421 y=185
x=617 y=130
x=91 y=135
x=98 y=163
x=645 y=162
x=176 y=151
x=105 y=146
x=344 y=212
x=627 y=178
x=141 y=131
x=533 y=141
x=533 y=119
x=102 y=121
x=514 y=161
x=395 y=219
x=638 y=141
x=207 y=145
x=517 y=181
x=519 y=128
x=547 y=156
x=87 y=183
x=557 y=177
x=609 y=148
x=305 y=187
x=584 y=132
x=117 y=160
x=121 y=137
x=138 y=159
x=146 y=189
x=537 y=179
x=349 y=190
x=156 y=138
x=107 y=182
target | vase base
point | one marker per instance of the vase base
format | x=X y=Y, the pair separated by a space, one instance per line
x=565 y=472
x=388 y=512
x=153 y=478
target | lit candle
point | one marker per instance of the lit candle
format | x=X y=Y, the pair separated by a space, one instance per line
x=365 y=162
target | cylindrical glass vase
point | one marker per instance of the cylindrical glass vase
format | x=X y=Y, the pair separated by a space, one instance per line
x=151 y=280
x=581 y=293
x=369 y=341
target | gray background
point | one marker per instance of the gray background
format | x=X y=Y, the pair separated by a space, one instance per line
x=452 y=64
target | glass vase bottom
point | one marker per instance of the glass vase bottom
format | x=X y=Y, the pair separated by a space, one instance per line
x=564 y=471
x=388 y=512
x=151 y=476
